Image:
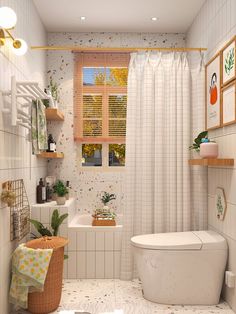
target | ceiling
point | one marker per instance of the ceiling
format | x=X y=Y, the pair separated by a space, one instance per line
x=173 y=16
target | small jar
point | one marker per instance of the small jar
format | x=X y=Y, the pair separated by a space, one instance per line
x=209 y=150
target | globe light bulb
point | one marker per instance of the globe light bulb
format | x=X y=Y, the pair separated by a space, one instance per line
x=19 y=47
x=8 y=18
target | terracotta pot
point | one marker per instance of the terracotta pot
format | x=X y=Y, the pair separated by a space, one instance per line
x=61 y=200
x=209 y=150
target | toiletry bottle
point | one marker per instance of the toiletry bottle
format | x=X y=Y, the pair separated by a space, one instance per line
x=51 y=144
x=48 y=193
x=43 y=192
x=68 y=188
x=40 y=192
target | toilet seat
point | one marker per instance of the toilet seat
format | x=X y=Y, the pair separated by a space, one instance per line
x=191 y=240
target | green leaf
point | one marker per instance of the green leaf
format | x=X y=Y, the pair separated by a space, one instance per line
x=45 y=232
x=62 y=218
x=54 y=219
x=38 y=225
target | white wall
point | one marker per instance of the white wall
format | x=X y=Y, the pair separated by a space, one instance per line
x=16 y=161
x=87 y=184
x=212 y=28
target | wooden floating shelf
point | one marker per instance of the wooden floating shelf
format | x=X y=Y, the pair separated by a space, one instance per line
x=54 y=114
x=49 y=155
x=211 y=162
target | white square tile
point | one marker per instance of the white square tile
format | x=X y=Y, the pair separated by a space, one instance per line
x=45 y=215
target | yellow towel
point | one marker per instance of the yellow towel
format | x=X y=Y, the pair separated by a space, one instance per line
x=29 y=270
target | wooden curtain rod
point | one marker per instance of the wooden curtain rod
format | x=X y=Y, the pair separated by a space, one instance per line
x=113 y=49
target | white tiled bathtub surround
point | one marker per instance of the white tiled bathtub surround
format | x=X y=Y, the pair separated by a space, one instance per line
x=214 y=26
x=93 y=252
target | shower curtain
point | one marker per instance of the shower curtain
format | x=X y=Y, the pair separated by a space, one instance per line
x=158 y=134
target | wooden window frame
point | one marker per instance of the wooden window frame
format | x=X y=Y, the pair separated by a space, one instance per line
x=99 y=60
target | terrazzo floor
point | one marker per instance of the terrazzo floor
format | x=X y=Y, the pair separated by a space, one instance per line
x=108 y=296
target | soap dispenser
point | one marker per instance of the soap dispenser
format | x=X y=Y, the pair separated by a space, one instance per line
x=41 y=192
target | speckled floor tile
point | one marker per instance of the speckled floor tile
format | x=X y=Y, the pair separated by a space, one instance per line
x=108 y=296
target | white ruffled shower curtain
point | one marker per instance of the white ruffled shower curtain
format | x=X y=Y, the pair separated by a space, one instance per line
x=157 y=188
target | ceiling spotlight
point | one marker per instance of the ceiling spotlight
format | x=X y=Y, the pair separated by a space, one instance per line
x=154 y=18
x=83 y=18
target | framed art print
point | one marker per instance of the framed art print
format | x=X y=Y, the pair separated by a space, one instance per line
x=228 y=99
x=220 y=203
x=228 y=62
x=212 y=89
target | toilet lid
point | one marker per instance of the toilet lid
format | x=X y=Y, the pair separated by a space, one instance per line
x=168 y=241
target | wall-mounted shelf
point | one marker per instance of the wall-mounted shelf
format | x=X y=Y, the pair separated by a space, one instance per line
x=49 y=155
x=211 y=162
x=54 y=114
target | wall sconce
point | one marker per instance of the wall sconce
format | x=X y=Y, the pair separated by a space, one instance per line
x=8 y=21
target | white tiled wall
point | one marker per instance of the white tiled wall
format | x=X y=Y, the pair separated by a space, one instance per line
x=212 y=28
x=16 y=161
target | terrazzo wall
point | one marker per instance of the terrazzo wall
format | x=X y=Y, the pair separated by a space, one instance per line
x=87 y=184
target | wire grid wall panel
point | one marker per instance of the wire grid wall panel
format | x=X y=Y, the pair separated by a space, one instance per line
x=19 y=211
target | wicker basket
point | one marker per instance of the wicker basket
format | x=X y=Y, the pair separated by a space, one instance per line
x=49 y=300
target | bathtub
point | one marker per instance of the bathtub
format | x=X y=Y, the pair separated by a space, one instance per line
x=84 y=222
x=94 y=251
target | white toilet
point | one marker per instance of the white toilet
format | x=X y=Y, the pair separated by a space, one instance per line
x=181 y=267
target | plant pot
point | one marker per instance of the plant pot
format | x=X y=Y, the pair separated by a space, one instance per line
x=209 y=150
x=61 y=200
x=106 y=208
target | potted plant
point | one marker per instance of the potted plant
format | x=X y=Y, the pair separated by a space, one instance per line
x=198 y=140
x=206 y=147
x=61 y=191
x=53 y=230
x=53 y=87
x=56 y=221
x=104 y=216
x=106 y=198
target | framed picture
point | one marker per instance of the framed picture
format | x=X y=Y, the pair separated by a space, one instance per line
x=212 y=89
x=220 y=203
x=228 y=67
x=228 y=100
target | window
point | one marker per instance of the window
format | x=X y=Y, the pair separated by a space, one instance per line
x=100 y=107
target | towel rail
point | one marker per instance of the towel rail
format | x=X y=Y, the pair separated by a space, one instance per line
x=26 y=91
